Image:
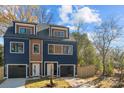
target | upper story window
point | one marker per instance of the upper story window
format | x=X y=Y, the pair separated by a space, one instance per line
x=23 y=28
x=51 y=48
x=67 y=49
x=59 y=49
x=36 y=48
x=59 y=33
x=16 y=47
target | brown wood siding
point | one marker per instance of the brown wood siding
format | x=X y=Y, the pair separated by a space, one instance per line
x=36 y=57
x=17 y=28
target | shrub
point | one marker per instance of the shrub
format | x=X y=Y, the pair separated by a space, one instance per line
x=109 y=68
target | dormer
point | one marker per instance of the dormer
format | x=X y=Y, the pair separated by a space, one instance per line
x=25 y=28
x=58 y=31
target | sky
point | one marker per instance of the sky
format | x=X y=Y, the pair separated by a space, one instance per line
x=91 y=15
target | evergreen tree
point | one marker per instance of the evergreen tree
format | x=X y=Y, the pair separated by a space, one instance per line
x=86 y=51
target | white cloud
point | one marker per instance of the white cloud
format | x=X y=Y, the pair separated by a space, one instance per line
x=72 y=28
x=64 y=11
x=87 y=15
x=84 y=14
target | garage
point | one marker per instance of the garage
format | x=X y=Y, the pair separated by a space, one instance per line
x=66 y=71
x=16 y=71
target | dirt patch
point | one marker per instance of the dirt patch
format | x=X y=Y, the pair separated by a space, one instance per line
x=43 y=82
x=1 y=81
x=95 y=82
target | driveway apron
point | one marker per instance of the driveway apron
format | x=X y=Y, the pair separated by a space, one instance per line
x=13 y=83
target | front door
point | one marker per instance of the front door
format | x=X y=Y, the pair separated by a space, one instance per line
x=35 y=69
x=50 y=69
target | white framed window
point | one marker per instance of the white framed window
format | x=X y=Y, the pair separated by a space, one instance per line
x=50 y=49
x=16 y=47
x=59 y=33
x=60 y=49
x=36 y=48
x=25 y=30
x=68 y=49
x=22 y=30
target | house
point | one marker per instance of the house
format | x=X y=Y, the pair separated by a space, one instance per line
x=32 y=50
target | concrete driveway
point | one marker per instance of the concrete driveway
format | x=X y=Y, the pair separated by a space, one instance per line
x=13 y=83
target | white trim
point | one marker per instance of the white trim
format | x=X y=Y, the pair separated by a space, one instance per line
x=42 y=59
x=61 y=49
x=67 y=65
x=45 y=62
x=35 y=61
x=42 y=49
x=24 y=24
x=33 y=48
x=49 y=32
x=18 y=64
x=29 y=50
x=17 y=52
x=59 y=28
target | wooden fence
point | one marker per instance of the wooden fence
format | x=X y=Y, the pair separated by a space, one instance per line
x=1 y=73
x=86 y=71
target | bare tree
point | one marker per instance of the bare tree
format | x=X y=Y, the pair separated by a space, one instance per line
x=32 y=13
x=103 y=37
x=51 y=76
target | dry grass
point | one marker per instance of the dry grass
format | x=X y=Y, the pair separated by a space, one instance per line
x=1 y=81
x=105 y=84
x=100 y=82
x=41 y=83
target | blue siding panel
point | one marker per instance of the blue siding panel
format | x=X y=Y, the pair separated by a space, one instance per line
x=62 y=59
x=12 y=58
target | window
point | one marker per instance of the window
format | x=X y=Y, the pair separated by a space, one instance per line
x=16 y=47
x=60 y=49
x=25 y=30
x=67 y=49
x=36 y=48
x=59 y=33
x=22 y=30
x=29 y=30
x=51 y=48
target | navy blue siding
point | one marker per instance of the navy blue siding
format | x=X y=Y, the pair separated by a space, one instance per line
x=12 y=58
x=62 y=59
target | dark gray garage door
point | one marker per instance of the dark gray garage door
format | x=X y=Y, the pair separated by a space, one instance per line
x=66 y=71
x=16 y=71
